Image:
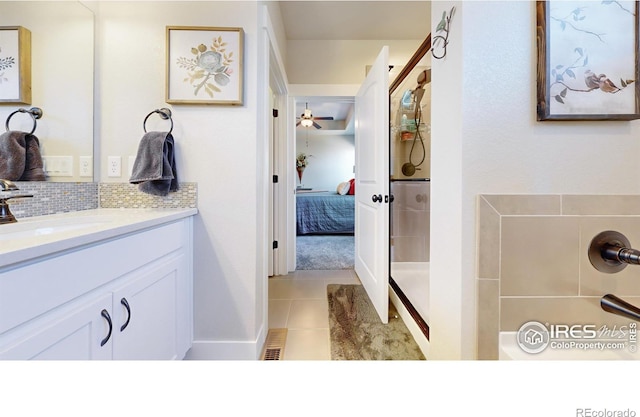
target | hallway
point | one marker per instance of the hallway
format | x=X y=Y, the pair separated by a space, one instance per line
x=298 y=302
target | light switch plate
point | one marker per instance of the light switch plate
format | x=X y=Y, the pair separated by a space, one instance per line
x=58 y=166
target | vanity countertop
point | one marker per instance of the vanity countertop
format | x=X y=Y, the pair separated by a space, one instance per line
x=39 y=236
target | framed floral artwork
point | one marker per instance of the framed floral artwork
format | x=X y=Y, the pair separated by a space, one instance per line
x=587 y=60
x=15 y=65
x=204 y=65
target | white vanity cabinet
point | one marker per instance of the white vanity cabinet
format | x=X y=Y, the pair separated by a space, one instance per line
x=71 y=334
x=126 y=297
x=149 y=319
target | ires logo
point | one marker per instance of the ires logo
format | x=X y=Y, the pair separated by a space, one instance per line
x=576 y=331
x=534 y=337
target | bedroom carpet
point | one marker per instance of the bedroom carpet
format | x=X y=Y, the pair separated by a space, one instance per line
x=356 y=332
x=325 y=252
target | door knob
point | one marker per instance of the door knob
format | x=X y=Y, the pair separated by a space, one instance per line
x=377 y=198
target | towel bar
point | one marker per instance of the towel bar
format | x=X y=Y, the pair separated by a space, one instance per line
x=164 y=113
x=34 y=112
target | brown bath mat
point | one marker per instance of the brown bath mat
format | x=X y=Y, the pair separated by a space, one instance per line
x=357 y=333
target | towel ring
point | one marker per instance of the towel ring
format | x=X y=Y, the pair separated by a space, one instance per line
x=34 y=112
x=164 y=113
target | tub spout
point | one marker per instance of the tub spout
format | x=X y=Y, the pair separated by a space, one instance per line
x=612 y=304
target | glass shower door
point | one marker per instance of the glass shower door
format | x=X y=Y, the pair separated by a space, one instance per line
x=410 y=185
x=409 y=241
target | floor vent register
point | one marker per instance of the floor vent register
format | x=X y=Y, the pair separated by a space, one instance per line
x=274 y=345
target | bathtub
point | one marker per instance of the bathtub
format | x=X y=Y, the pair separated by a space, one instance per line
x=510 y=350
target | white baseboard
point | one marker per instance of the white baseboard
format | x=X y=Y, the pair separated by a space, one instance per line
x=224 y=351
x=227 y=350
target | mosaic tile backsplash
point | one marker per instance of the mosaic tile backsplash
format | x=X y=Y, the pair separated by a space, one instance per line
x=53 y=197
x=62 y=197
x=124 y=195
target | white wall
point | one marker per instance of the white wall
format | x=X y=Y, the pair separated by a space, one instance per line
x=342 y=61
x=485 y=139
x=216 y=147
x=275 y=23
x=331 y=159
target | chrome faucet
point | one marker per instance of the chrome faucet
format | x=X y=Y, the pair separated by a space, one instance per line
x=5 y=214
x=7 y=185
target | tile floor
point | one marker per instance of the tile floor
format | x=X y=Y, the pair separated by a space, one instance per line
x=298 y=302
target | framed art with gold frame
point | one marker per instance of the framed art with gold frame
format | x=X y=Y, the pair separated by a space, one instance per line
x=15 y=65
x=204 y=65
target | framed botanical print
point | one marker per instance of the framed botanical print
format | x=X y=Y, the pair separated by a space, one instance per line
x=15 y=65
x=587 y=60
x=204 y=65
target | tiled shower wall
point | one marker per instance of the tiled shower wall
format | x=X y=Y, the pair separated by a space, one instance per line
x=52 y=197
x=533 y=262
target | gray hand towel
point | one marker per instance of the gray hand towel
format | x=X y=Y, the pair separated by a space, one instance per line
x=20 y=158
x=12 y=155
x=33 y=167
x=155 y=168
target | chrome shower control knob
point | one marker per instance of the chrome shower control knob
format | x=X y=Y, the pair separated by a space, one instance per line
x=611 y=252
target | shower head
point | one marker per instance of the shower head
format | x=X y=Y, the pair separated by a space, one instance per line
x=424 y=78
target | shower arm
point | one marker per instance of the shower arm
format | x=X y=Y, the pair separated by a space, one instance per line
x=618 y=254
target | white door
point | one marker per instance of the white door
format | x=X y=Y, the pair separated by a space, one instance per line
x=372 y=184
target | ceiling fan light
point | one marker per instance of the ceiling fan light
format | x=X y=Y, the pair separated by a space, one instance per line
x=306 y=122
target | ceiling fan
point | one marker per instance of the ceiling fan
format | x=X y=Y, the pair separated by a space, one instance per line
x=306 y=119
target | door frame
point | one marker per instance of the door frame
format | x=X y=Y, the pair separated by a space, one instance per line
x=278 y=133
x=279 y=190
x=306 y=94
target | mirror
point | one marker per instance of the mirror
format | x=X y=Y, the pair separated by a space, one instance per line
x=62 y=54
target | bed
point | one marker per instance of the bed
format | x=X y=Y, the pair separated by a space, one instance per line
x=324 y=213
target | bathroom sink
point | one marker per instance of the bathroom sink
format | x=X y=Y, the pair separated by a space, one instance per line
x=32 y=229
